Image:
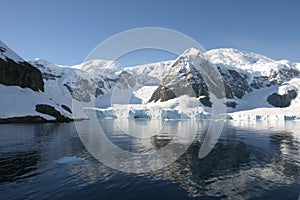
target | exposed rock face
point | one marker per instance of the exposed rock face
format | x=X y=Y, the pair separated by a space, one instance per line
x=282 y=75
x=236 y=82
x=20 y=74
x=184 y=79
x=282 y=101
x=82 y=89
x=49 y=76
x=162 y=93
x=126 y=80
x=104 y=84
x=260 y=82
x=50 y=110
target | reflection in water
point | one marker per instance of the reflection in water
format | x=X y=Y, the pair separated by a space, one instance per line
x=242 y=165
x=251 y=160
x=17 y=162
x=16 y=165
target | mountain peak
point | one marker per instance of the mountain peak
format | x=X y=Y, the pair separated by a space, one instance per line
x=192 y=51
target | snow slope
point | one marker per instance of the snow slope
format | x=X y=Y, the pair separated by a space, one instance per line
x=19 y=102
x=6 y=52
x=150 y=74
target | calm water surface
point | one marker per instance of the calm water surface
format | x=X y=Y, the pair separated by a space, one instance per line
x=250 y=161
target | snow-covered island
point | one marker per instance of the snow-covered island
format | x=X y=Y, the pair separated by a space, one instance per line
x=256 y=88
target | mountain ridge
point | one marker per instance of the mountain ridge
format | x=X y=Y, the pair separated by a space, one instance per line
x=244 y=74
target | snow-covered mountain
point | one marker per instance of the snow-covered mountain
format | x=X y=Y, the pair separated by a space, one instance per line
x=252 y=83
x=22 y=92
x=269 y=83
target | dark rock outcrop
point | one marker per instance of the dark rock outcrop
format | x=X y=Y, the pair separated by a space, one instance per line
x=49 y=76
x=231 y=104
x=66 y=108
x=41 y=108
x=20 y=74
x=50 y=110
x=282 y=101
x=260 y=82
x=205 y=101
x=236 y=82
x=25 y=119
x=163 y=93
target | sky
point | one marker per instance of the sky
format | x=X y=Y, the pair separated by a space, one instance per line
x=64 y=32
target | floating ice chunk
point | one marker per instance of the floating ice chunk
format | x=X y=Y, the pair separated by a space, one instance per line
x=69 y=160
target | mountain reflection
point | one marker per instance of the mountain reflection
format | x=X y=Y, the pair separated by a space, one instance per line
x=15 y=166
x=261 y=161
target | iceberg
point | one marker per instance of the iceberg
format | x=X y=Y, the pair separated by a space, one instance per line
x=69 y=160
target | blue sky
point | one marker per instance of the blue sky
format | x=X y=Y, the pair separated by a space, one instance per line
x=64 y=32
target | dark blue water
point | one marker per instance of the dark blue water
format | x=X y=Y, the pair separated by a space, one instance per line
x=249 y=161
